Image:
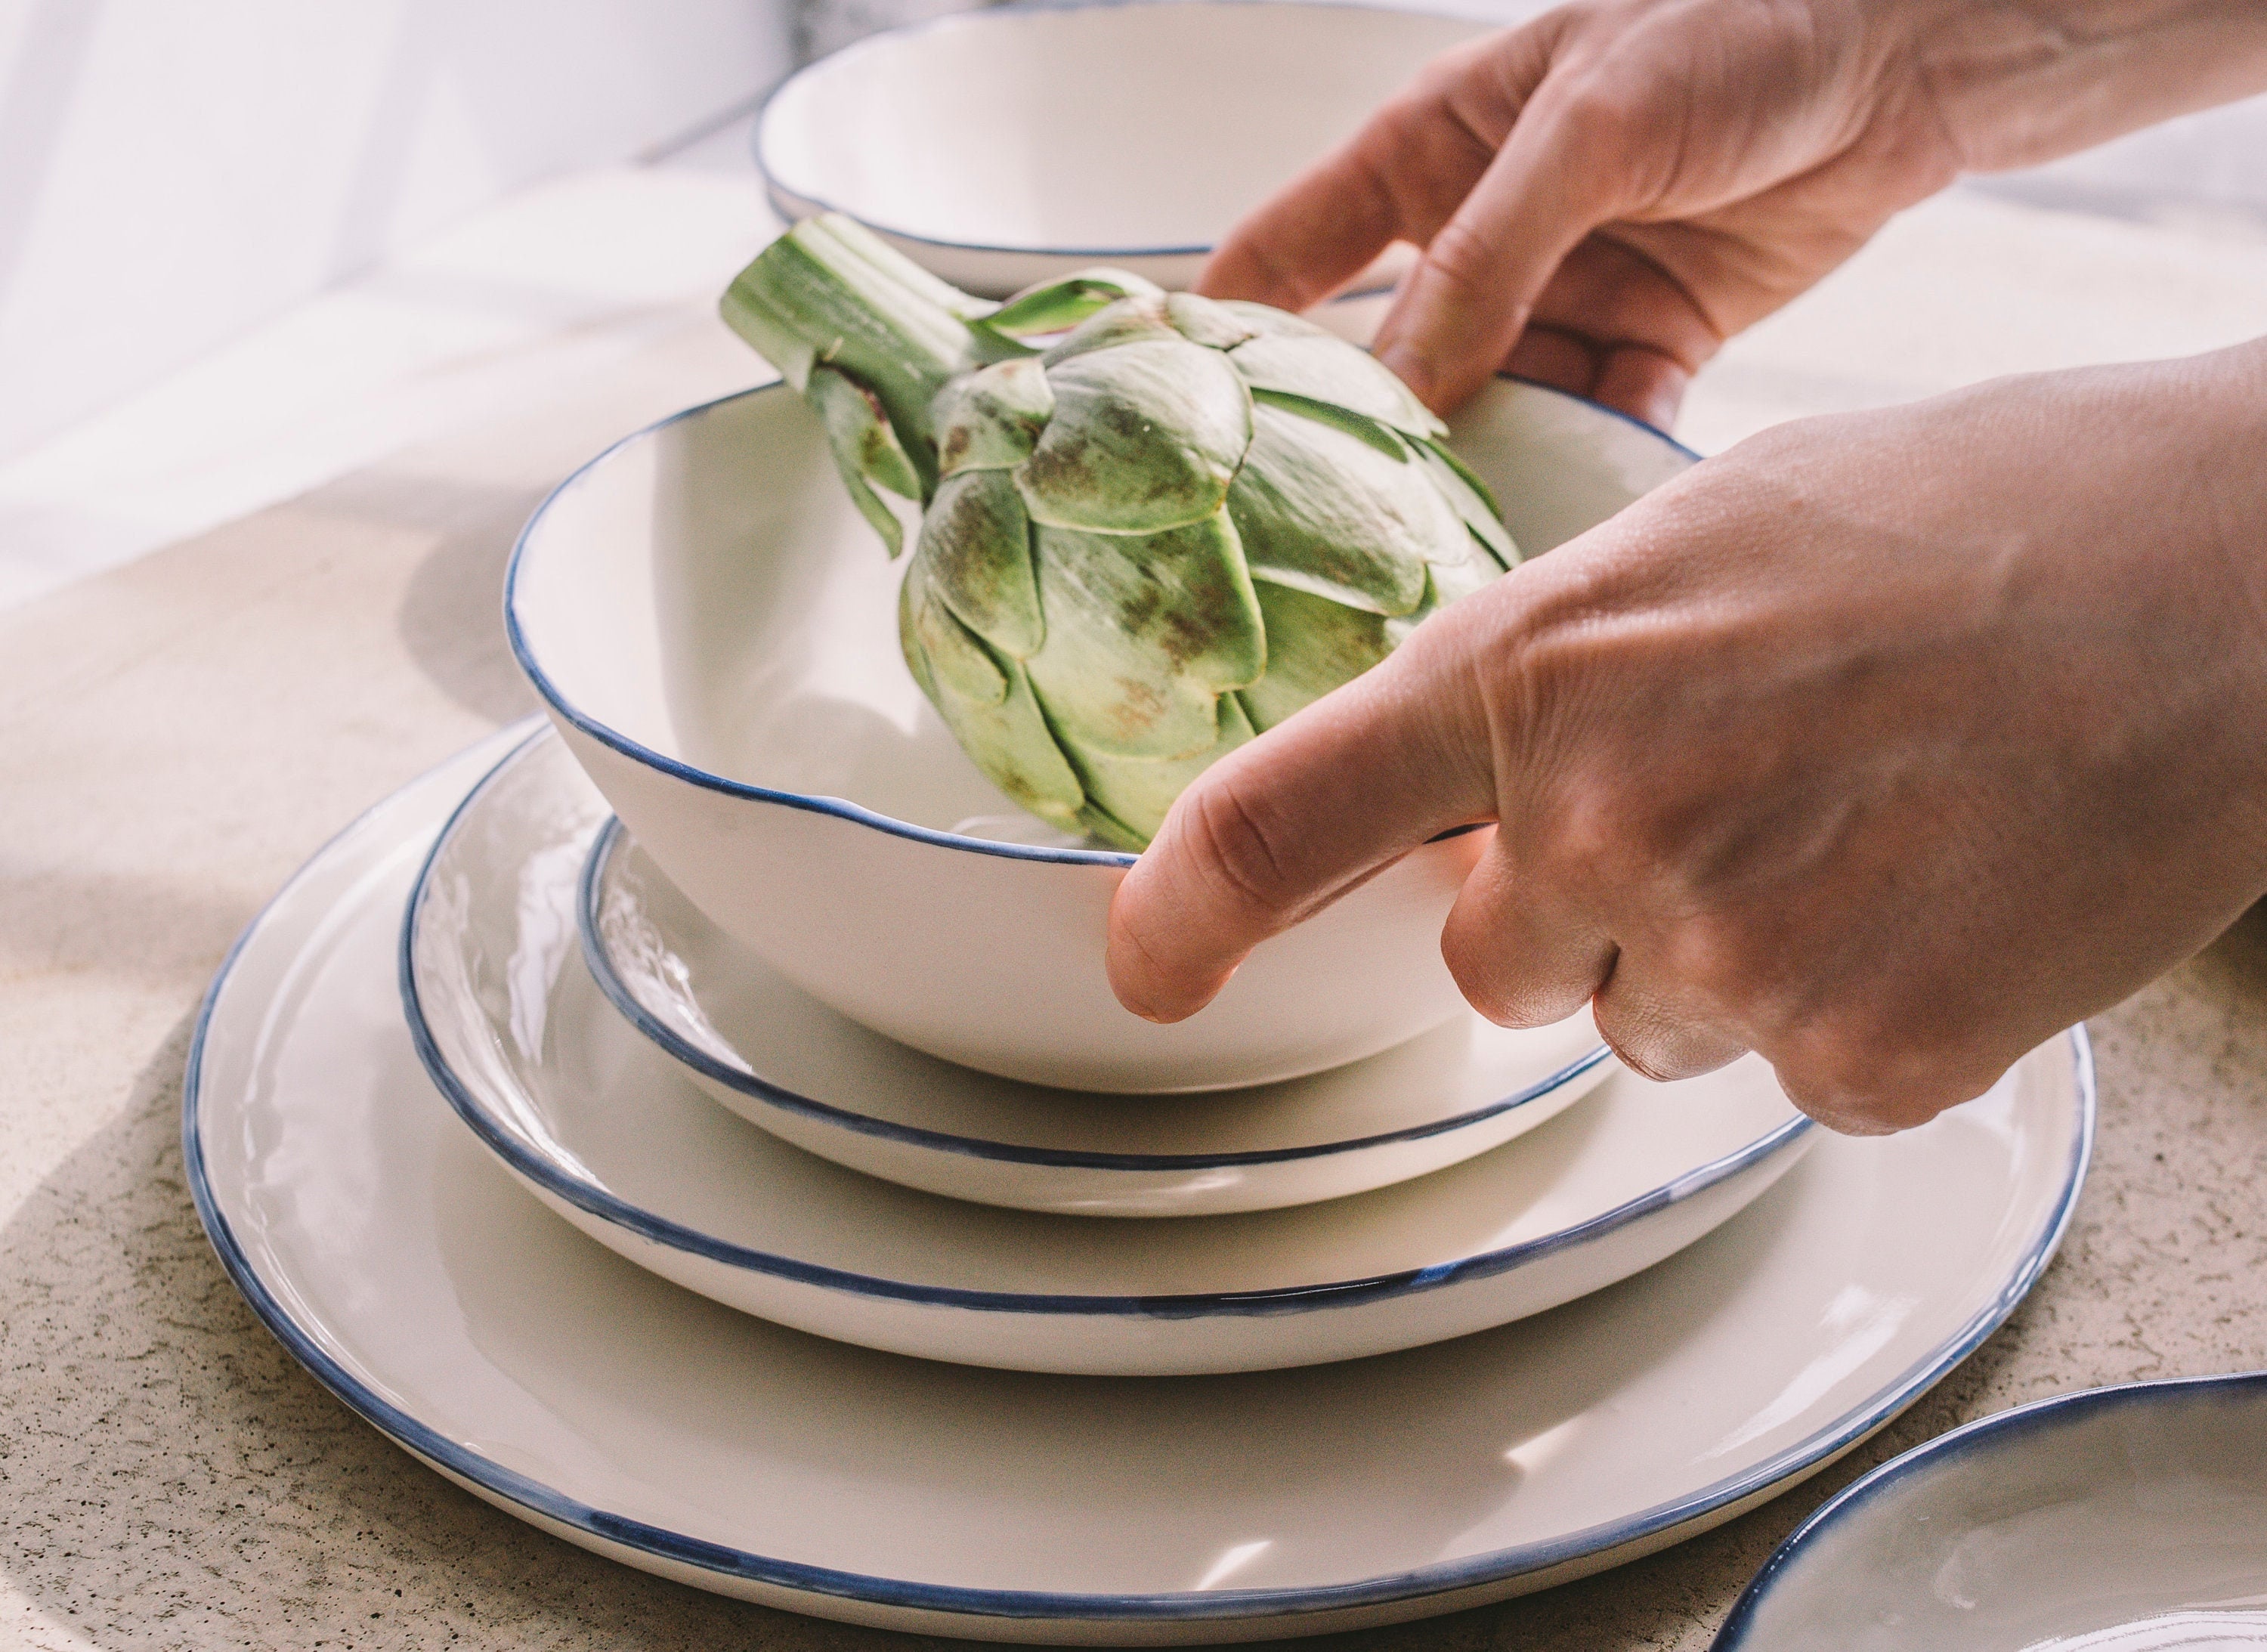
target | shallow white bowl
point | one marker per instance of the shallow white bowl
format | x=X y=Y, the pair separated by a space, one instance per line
x=714 y=628
x=394 y=1255
x=2128 y=1519
x=1004 y=147
x=608 y=1131
x=783 y=1060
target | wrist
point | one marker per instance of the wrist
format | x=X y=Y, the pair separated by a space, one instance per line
x=2019 y=83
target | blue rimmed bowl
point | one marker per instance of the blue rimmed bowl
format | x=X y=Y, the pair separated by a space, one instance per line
x=714 y=631
x=1009 y=146
x=2126 y=1519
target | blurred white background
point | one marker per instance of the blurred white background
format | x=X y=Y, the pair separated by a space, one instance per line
x=248 y=244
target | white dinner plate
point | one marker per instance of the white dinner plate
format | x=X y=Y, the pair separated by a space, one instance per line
x=2126 y=1519
x=783 y=1060
x=603 y=1126
x=391 y=1253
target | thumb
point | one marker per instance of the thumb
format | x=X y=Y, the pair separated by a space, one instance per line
x=1286 y=824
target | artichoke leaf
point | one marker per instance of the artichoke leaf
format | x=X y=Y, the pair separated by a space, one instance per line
x=1139 y=320
x=975 y=550
x=991 y=419
x=1127 y=797
x=1006 y=737
x=1321 y=511
x=1472 y=501
x=956 y=665
x=1376 y=432
x=865 y=450
x=1313 y=646
x=1203 y=321
x=1145 y=436
x=1052 y=306
x=1325 y=368
x=1142 y=635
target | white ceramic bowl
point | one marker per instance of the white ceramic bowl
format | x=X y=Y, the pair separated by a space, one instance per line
x=784 y=1062
x=714 y=628
x=1003 y=147
x=609 y=1131
x=2128 y=1519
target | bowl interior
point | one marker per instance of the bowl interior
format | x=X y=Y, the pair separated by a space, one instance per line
x=706 y=592
x=1102 y=128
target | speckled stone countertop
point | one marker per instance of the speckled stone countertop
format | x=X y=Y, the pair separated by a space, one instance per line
x=177 y=735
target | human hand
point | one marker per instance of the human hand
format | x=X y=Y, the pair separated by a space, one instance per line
x=1885 y=744
x=1606 y=193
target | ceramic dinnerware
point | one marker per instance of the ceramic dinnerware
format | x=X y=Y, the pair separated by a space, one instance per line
x=393 y=1255
x=781 y=1060
x=604 y=1127
x=2127 y=1519
x=1014 y=146
x=714 y=630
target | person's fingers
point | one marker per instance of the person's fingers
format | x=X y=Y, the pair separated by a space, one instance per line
x=1400 y=178
x=1558 y=177
x=1655 y=1028
x=1642 y=383
x=1565 y=361
x=1283 y=825
x=1524 y=949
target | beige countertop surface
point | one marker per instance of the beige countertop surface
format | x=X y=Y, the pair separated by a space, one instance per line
x=177 y=734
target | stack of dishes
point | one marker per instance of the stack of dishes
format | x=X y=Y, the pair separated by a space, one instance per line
x=1002 y=1313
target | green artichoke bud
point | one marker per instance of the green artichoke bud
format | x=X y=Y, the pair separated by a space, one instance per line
x=1140 y=542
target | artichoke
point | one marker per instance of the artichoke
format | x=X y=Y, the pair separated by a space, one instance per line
x=1167 y=529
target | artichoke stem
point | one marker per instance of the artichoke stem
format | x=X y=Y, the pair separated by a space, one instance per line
x=830 y=291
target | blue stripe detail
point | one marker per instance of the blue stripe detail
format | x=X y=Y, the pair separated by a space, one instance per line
x=609 y=841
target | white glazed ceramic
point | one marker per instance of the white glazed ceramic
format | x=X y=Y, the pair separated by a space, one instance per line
x=783 y=1060
x=608 y=1131
x=1008 y=146
x=2128 y=1519
x=393 y=1254
x=714 y=628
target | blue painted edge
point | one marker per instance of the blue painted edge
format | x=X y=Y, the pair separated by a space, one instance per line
x=611 y=837
x=584 y=1194
x=511 y=1486
x=792 y=204
x=1986 y=1434
x=840 y=808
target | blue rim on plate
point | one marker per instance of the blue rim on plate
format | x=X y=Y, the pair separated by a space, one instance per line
x=498 y=1481
x=840 y=808
x=791 y=203
x=1946 y=1449
x=611 y=836
x=590 y=1196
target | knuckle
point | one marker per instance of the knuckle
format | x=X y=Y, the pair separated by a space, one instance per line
x=1236 y=846
x=1461 y=254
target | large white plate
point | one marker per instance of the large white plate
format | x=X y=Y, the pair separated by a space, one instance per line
x=386 y=1249
x=607 y=1130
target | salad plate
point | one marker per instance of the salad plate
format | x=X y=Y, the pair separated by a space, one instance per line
x=599 y=1123
x=783 y=1060
x=393 y=1255
x=2126 y=1519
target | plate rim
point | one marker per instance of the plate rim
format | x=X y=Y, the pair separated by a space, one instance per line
x=1270 y=1302
x=1997 y=1429
x=609 y=844
x=954 y=1600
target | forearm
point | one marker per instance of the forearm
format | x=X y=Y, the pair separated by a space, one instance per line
x=2019 y=82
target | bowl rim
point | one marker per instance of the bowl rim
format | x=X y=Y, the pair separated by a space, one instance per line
x=792 y=204
x=1998 y=1431
x=589 y=1194
x=524 y=654
x=613 y=838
